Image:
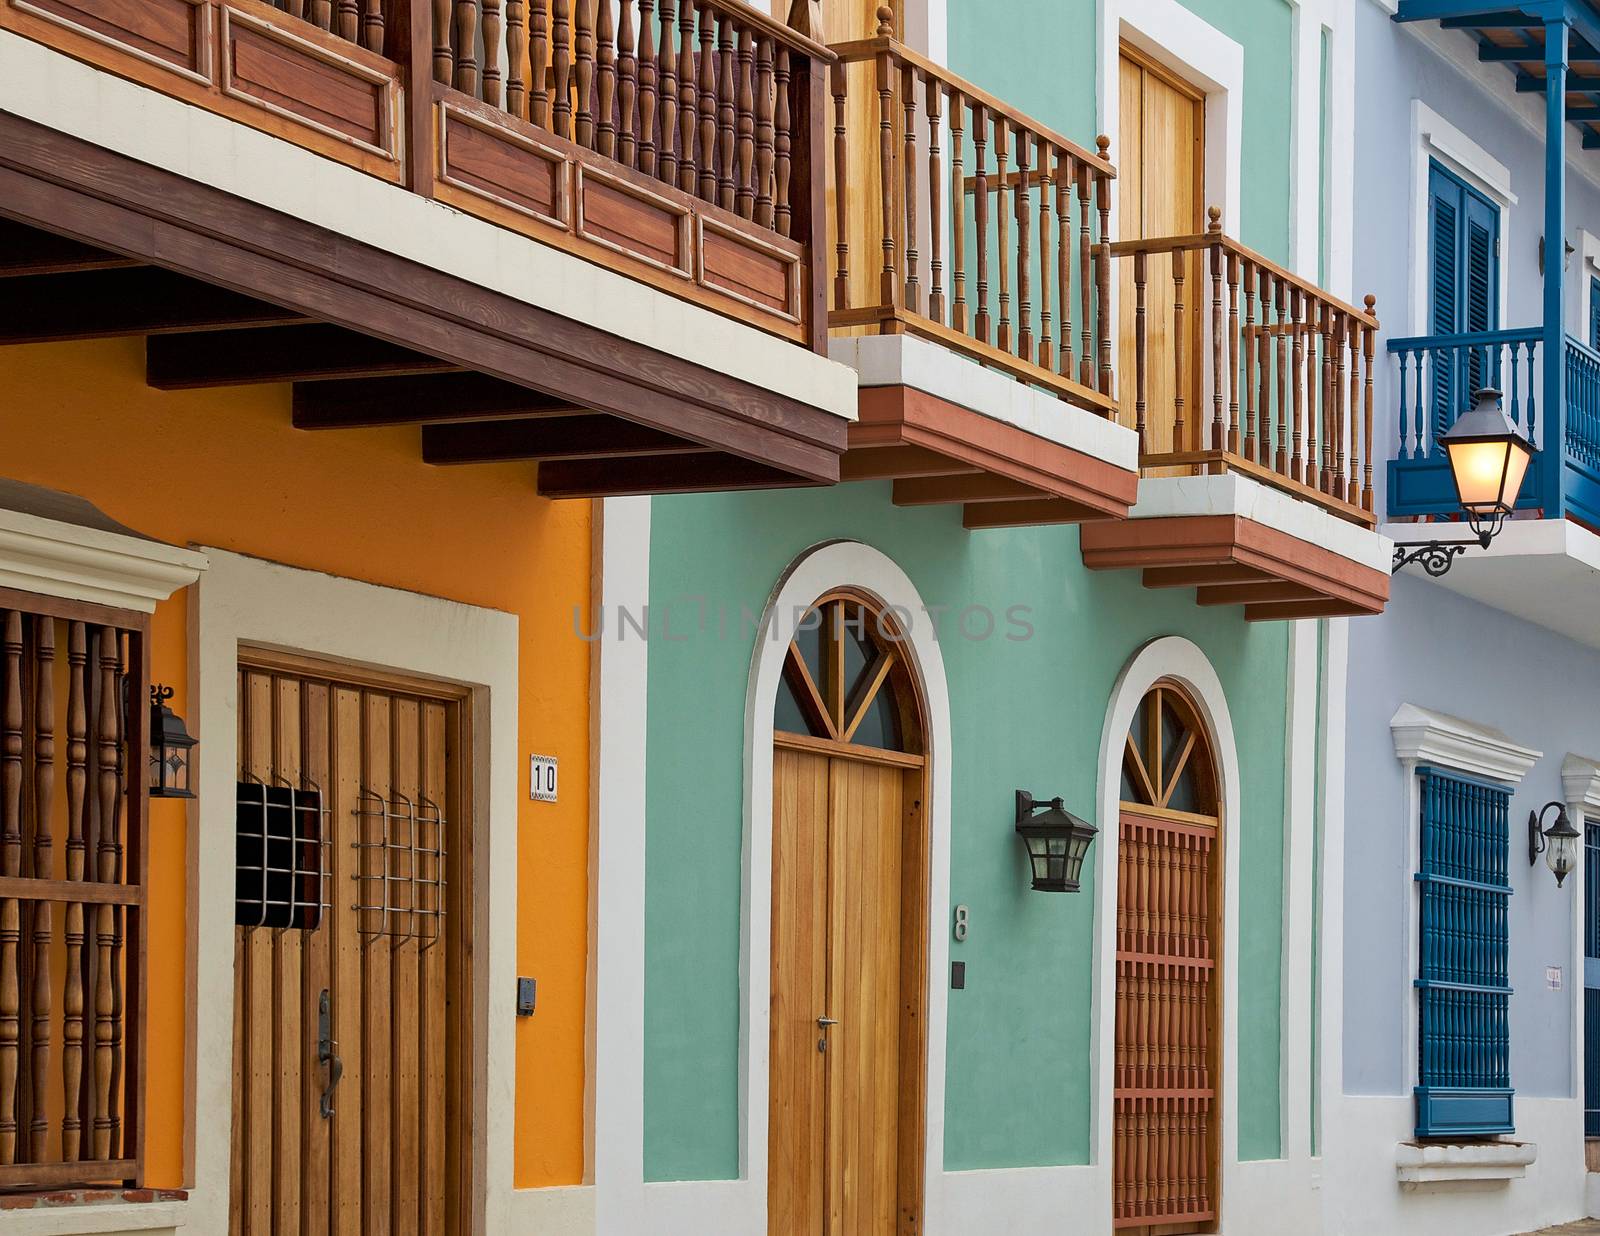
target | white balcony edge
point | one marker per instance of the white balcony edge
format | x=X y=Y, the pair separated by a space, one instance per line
x=1421 y=1163
x=54 y=90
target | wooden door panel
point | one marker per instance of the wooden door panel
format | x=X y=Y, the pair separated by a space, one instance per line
x=799 y=992
x=388 y=1158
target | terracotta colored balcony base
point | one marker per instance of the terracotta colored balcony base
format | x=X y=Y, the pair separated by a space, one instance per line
x=1236 y=543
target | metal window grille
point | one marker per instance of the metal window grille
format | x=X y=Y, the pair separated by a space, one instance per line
x=400 y=876
x=1464 y=1048
x=1591 y=980
x=281 y=840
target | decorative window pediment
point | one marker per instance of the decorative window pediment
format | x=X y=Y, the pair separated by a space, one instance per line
x=1423 y=736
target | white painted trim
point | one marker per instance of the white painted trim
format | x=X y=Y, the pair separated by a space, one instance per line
x=1340 y=18
x=1175 y=658
x=1240 y=496
x=1434 y=137
x=69 y=560
x=555 y=1211
x=1423 y=736
x=617 y=868
x=1419 y=1163
x=819 y=569
x=1580 y=782
x=55 y=90
x=1299 y=834
x=1335 y=704
x=1589 y=270
x=96 y=1219
x=247 y=600
x=906 y=360
x=1580 y=786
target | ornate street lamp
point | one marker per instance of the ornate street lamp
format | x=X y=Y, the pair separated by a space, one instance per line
x=1488 y=459
x=1558 y=844
x=1057 y=841
x=170 y=744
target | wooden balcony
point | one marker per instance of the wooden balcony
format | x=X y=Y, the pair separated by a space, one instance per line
x=1242 y=369
x=669 y=141
x=970 y=225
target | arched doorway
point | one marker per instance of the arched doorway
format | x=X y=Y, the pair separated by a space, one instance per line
x=849 y=904
x=1168 y=994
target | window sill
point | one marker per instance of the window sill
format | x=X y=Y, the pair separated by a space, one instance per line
x=1419 y=1163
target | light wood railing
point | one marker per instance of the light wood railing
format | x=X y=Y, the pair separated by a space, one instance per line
x=1236 y=363
x=356 y=21
x=962 y=219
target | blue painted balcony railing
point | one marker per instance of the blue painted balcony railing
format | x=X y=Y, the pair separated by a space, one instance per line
x=1438 y=374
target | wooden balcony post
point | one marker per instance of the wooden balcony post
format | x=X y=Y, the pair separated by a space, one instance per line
x=417 y=37
x=1219 y=437
x=810 y=176
x=1368 y=334
x=1103 y=271
x=888 y=280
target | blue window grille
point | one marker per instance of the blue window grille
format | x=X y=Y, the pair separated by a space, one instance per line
x=1464 y=1042
x=1591 y=980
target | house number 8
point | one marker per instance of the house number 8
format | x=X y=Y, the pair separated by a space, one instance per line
x=960 y=930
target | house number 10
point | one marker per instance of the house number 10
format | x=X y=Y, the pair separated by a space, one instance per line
x=960 y=929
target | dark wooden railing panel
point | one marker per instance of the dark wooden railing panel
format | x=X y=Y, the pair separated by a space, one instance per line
x=1285 y=372
x=356 y=21
x=70 y=1118
x=985 y=194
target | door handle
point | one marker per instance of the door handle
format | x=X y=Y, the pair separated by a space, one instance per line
x=824 y=1022
x=326 y=1055
x=822 y=1039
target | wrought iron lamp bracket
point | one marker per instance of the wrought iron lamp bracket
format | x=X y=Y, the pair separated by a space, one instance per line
x=1435 y=557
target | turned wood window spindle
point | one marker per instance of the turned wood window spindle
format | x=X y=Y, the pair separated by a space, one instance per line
x=11 y=868
x=44 y=760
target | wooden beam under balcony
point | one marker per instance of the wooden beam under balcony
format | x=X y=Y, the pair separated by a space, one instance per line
x=978 y=487
x=555 y=437
x=30 y=251
x=704 y=473
x=1026 y=513
x=108 y=303
x=301 y=353
x=418 y=399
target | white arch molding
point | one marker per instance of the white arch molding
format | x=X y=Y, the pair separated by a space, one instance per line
x=819 y=570
x=1172 y=659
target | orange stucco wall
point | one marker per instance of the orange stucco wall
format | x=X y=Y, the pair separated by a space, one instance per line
x=226 y=468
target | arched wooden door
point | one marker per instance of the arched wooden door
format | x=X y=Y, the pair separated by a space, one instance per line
x=1169 y=898
x=849 y=934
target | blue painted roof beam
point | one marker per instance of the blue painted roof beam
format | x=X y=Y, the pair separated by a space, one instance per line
x=1581 y=15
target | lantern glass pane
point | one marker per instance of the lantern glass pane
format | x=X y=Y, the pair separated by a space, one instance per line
x=1488 y=475
x=1561 y=853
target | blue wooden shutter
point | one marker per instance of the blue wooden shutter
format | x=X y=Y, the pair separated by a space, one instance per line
x=1464 y=1042
x=1594 y=313
x=1444 y=242
x=1464 y=288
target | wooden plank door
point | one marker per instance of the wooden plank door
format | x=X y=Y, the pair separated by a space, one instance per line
x=378 y=980
x=1161 y=171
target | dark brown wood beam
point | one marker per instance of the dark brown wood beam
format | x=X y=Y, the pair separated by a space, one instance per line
x=279 y=354
x=981 y=487
x=1263 y=592
x=28 y=251
x=1326 y=607
x=708 y=473
x=1028 y=513
x=881 y=463
x=101 y=304
x=1202 y=576
x=555 y=437
x=420 y=399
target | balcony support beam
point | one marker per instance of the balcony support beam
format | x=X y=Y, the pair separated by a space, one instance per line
x=1555 y=229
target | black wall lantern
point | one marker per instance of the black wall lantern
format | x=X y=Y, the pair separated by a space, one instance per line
x=1558 y=844
x=1057 y=841
x=170 y=744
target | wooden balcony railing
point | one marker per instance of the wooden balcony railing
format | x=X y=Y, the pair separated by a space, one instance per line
x=1013 y=219
x=356 y=21
x=1238 y=364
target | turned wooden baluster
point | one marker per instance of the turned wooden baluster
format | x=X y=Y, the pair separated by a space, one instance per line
x=1024 y=205
x=517 y=57
x=688 y=104
x=322 y=14
x=667 y=88
x=935 y=200
x=1264 y=375
x=539 y=65
x=764 y=136
x=908 y=93
x=444 y=60
x=980 y=207
x=44 y=790
x=561 y=64
x=841 y=177
x=583 y=72
x=10 y=867
x=1002 y=220
x=1317 y=452
x=1180 y=348
x=1334 y=457
x=888 y=289
x=372 y=26
x=745 y=195
x=1281 y=318
x=606 y=87
x=296 y=8
x=1246 y=378
x=491 y=52
x=782 y=142
x=1296 y=380
x=647 y=87
x=1233 y=355
x=1046 y=358
x=350 y=20
x=727 y=116
x=1140 y=350
x=1220 y=440
x=73 y=932
x=467 y=46
x=627 y=88
x=1066 y=172
x=1085 y=279
x=958 y=212
x=106 y=935
x=1368 y=334
x=1102 y=269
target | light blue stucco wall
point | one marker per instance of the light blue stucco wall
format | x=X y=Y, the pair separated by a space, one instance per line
x=1432 y=647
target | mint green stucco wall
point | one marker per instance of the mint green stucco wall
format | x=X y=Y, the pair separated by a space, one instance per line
x=1050 y=73
x=1024 y=715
